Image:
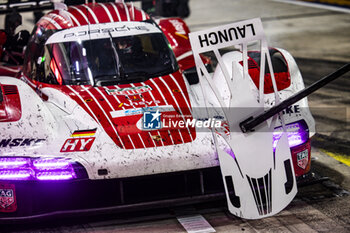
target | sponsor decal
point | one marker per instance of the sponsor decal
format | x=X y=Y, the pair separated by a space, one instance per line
x=81 y=140
x=144 y=103
x=141 y=111
x=303 y=158
x=152 y=120
x=133 y=111
x=129 y=90
x=292 y=109
x=179 y=27
x=15 y=142
x=7 y=198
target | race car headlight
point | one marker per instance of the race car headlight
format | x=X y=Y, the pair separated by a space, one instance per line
x=19 y=168
x=14 y=174
x=297 y=134
x=53 y=169
x=13 y=162
x=55 y=175
x=50 y=164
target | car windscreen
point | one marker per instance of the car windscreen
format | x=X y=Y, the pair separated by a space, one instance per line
x=111 y=61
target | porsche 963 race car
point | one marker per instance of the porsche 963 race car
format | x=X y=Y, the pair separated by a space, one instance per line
x=87 y=123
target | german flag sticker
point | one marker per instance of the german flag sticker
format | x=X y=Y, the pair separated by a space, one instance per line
x=80 y=140
x=84 y=133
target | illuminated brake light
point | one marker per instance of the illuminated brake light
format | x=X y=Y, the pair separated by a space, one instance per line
x=297 y=134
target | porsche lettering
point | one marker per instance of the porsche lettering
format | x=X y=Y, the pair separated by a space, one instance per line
x=106 y=30
x=226 y=35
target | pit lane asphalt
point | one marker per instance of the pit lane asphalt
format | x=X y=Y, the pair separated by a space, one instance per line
x=319 y=39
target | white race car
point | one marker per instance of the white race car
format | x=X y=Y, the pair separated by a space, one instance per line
x=105 y=115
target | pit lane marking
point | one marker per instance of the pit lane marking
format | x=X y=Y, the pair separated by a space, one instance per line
x=345 y=159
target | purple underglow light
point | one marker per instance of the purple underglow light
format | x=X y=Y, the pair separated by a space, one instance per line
x=13 y=162
x=296 y=134
x=55 y=175
x=19 y=168
x=50 y=164
x=16 y=174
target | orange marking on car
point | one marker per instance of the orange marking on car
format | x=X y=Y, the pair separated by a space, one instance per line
x=181 y=35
